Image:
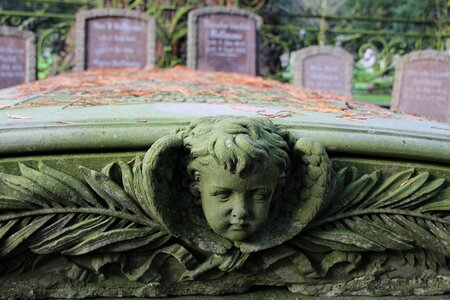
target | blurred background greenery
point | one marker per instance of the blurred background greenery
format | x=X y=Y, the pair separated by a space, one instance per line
x=376 y=32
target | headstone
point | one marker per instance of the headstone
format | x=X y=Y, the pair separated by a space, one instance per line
x=223 y=39
x=115 y=38
x=422 y=85
x=325 y=68
x=17 y=56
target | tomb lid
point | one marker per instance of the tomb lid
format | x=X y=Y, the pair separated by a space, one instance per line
x=128 y=109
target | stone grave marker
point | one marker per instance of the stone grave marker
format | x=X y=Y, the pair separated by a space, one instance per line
x=115 y=38
x=17 y=56
x=223 y=39
x=326 y=68
x=422 y=84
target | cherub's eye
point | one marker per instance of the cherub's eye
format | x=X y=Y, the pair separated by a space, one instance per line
x=260 y=197
x=222 y=195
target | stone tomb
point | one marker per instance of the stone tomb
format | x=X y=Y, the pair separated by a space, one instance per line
x=422 y=85
x=324 y=68
x=17 y=56
x=115 y=38
x=151 y=196
x=223 y=39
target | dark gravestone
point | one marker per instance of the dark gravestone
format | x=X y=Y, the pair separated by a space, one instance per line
x=113 y=38
x=324 y=68
x=223 y=39
x=422 y=85
x=17 y=56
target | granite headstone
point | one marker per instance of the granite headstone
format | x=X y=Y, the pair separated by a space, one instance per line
x=17 y=56
x=325 y=68
x=223 y=39
x=115 y=38
x=422 y=85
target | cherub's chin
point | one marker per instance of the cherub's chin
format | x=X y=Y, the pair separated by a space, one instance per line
x=237 y=232
x=236 y=236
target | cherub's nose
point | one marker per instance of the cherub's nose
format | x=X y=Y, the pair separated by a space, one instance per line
x=239 y=210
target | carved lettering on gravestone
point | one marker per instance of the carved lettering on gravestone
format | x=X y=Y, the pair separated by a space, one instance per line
x=223 y=39
x=324 y=68
x=16 y=56
x=111 y=38
x=12 y=61
x=422 y=85
x=116 y=43
x=227 y=43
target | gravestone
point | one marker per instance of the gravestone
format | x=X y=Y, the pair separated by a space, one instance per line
x=114 y=38
x=223 y=39
x=324 y=68
x=422 y=85
x=17 y=56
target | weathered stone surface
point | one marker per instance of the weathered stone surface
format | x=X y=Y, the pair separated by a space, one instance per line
x=114 y=38
x=364 y=273
x=422 y=85
x=17 y=56
x=223 y=39
x=129 y=109
x=153 y=221
x=326 y=68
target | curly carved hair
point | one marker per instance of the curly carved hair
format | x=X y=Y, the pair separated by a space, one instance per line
x=237 y=143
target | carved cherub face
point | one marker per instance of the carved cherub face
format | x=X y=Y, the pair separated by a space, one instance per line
x=235 y=206
x=234 y=165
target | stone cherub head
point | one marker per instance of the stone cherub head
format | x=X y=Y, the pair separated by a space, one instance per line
x=235 y=182
x=237 y=166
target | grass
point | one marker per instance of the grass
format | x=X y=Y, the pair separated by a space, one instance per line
x=372 y=98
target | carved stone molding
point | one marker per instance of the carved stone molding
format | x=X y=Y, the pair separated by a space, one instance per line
x=219 y=206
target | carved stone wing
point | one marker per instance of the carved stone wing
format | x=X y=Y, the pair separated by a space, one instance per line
x=170 y=203
x=308 y=190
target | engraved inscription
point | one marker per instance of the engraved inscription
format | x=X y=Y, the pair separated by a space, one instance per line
x=116 y=42
x=12 y=61
x=227 y=43
x=324 y=72
x=425 y=88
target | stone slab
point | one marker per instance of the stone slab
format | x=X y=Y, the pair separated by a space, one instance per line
x=422 y=85
x=17 y=56
x=326 y=68
x=223 y=39
x=115 y=38
x=130 y=109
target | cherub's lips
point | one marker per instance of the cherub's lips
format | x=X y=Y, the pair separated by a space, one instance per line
x=238 y=227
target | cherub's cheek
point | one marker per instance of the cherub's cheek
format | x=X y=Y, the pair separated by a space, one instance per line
x=225 y=210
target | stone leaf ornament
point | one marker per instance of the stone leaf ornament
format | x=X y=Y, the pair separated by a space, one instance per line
x=141 y=215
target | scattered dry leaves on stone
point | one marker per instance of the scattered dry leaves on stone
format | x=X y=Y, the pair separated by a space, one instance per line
x=180 y=84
